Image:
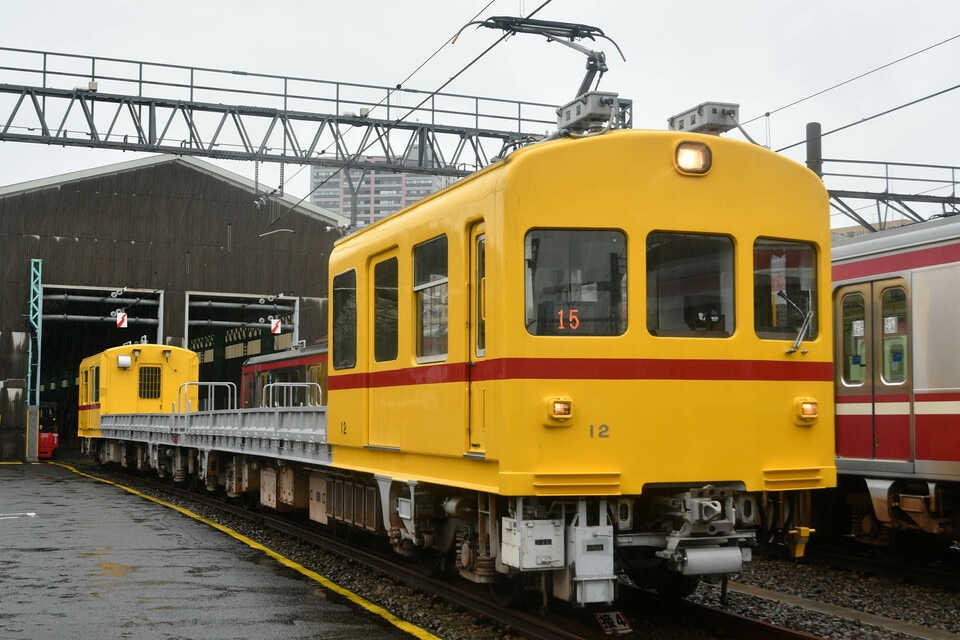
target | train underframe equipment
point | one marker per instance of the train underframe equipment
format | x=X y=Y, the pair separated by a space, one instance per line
x=575 y=548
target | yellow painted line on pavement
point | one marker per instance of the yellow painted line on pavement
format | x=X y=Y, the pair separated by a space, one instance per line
x=410 y=628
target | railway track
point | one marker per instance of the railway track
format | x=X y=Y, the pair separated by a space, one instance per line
x=638 y=607
x=942 y=573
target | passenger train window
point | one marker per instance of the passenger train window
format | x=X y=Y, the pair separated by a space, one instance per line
x=690 y=285
x=385 y=310
x=345 y=320
x=854 y=345
x=430 y=292
x=481 y=295
x=575 y=282
x=893 y=309
x=784 y=288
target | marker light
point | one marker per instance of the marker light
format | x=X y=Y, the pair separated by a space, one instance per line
x=562 y=409
x=559 y=411
x=806 y=411
x=693 y=157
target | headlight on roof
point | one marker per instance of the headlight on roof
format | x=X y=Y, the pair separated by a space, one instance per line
x=693 y=158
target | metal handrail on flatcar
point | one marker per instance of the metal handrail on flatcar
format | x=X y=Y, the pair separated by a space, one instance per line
x=290 y=394
x=183 y=395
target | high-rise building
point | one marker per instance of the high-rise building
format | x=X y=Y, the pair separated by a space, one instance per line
x=367 y=195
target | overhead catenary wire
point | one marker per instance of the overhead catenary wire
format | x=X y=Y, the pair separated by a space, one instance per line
x=414 y=109
x=876 y=115
x=426 y=99
x=376 y=140
x=399 y=86
x=853 y=79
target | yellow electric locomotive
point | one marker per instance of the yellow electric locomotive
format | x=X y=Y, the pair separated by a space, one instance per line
x=597 y=354
x=600 y=355
x=133 y=379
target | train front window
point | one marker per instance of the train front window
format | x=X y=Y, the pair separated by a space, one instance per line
x=784 y=288
x=690 y=285
x=149 y=382
x=575 y=282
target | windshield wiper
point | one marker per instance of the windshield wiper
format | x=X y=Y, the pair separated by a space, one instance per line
x=803 y=328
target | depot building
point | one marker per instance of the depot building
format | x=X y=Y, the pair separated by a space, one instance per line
x=167 y=250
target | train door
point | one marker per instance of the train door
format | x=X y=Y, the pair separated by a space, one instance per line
x=874 y=381
x=478 y=339
x=382 y=351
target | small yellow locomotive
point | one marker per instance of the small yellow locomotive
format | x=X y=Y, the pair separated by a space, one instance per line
x=602 y=355
x=135 y=379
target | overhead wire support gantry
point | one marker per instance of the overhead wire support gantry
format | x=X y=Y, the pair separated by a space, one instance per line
x=891 y=187
x=128 y=105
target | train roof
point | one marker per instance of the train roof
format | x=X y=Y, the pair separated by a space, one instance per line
x=287 y=354
x=899 y=240
x=140 y=346
x=549 y=146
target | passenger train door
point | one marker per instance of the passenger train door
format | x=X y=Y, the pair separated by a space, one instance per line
x=873 y=377
x=476 y=443
x=382 y=332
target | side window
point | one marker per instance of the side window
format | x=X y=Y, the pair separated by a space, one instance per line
x=430 y=293
x=575 y=282
x=247 y=389
x=345 y=320
x=690 y=285
x=95 y=396
x=263 y=379
x=385 y=310
x=317 y=374
x=893 y=310
x=854 y=356
x=480 y=303
x=784 y=288
x=149 y=382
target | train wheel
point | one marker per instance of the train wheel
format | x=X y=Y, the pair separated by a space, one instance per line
x=509 y=592
x=676 y=586
x=896 y=552
x=433 y=564
x=249 y=500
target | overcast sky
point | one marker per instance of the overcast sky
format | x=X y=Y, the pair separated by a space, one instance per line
x=762 y=54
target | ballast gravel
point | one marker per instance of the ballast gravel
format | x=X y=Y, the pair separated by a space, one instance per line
x=935 y=611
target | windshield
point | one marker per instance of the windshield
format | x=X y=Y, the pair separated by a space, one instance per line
x=576 y=282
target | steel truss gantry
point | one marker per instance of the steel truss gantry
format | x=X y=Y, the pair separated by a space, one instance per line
x=110 y=103
x=887 y=192
x=891 y=188
x=128 y=105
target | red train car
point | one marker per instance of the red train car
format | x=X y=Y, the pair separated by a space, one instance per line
x=897 y=370
x=48 y=440
x=295 y=377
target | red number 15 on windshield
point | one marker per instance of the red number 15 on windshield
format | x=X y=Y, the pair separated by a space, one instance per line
x=568 y=319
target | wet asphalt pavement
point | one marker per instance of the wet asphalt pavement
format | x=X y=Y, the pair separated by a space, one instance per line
x=86 y=560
